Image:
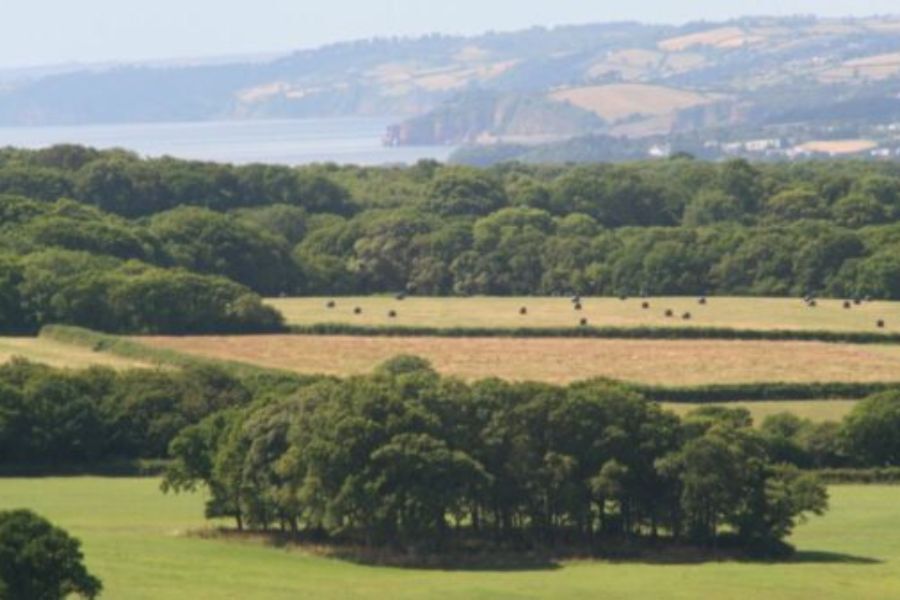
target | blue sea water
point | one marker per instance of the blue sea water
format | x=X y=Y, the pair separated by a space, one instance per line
x=288 y=142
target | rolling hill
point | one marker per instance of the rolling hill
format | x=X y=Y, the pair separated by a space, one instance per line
x=796 y=80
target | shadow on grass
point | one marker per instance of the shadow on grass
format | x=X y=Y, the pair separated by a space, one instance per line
x=484 y=558
x=822 y=557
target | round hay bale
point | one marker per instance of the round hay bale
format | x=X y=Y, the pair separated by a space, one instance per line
x=687 y=316
x=392 y=314
x=331 y=304
x=357 y=311
x=812 y=304
x=584 y=322
x=702 y=301
x=857 y=301
x=847 y=305
x=881 y=324
x=401 y=297
x=645 y=306
x=670 y=312
x=523 y=311
x=578 y=306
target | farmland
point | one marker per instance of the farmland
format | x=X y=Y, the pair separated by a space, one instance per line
x=814 y=410
x=138 y=544
x=560 y=360
x=493 y=312
x=618 y=101
x=58 y=354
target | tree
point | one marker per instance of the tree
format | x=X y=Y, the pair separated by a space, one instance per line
x=41 y=562
x=872 y=431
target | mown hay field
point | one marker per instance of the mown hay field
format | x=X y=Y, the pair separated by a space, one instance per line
x=492 y=312
x=136 y=540
x=560 y=360
x=620 y=100
x=59 y=354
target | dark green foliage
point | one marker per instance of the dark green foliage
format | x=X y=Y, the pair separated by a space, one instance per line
x=51 y=419
x=41 y=562
x=645 y=333
x=405 y=457
x=676 y=227
x=872 y=431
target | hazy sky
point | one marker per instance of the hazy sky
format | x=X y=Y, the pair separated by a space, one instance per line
x=34 y=32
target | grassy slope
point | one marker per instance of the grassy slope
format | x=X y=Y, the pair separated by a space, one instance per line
x=61 y=354
x=131 y=535
x=735 y=313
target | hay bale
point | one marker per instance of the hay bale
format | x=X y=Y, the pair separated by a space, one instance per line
x=578 y=306
x=812 y=304
x=584 y=322
x=357 y=311
x=857 y=301
x=331 y=304
x=523 y=311
x=687 y=316
x=702 y=301
x=645 y=306
x=847 y=305
x=670 y=312
x=392 y=314
x=401 y=297
x=881 y=324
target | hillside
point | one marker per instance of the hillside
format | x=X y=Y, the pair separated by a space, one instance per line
x=755 y=85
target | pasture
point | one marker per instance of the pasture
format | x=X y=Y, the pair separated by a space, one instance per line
x=60 y=354
x=814 y=410
x=560 y=360
x=735 y=313
x=135 y=539
x=620 y=100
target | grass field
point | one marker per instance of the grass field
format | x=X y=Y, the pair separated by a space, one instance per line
x=815 y=410
x=736 y=313
x=561 y=360
x=619 y=100
x=59 y=354
x=134 y=540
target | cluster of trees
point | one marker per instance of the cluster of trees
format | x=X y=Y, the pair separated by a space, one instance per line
x=145 y=236
x=404 y=457
x=50 y=418
x=41 y=562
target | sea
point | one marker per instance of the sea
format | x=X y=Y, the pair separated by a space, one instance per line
x=286 y=142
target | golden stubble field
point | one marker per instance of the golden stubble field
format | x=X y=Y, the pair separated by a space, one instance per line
x=560 y=360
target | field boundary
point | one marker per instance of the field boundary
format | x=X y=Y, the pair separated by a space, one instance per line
x=129 y=348
x=762 y=392
x=625 y=333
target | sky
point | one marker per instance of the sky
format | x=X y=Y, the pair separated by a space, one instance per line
x=47 y=32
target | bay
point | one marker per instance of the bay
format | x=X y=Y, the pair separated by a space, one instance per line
x=286 y=142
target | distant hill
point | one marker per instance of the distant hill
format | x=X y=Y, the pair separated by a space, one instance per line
x=798 y=80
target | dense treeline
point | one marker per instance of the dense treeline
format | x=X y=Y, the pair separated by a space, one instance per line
x=167 y=229
x=53 y=418
x=405 y=457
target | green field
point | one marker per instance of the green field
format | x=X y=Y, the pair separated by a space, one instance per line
x=482 y=312
x=60 y=354
x=815 y=410
x=135 y=541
